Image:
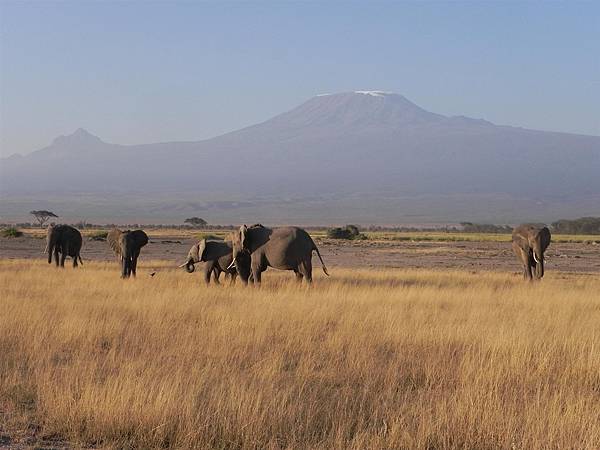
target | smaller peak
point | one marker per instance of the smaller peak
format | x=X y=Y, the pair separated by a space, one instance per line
x=78 y=136
x=82 y=132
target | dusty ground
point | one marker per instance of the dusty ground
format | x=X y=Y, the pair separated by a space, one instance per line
x=477 y=256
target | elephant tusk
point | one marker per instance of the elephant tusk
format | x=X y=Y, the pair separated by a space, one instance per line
x=184 y=264
x=535 y=258
x=231 y=265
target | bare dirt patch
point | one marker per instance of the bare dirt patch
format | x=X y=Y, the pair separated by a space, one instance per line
x=582 y=257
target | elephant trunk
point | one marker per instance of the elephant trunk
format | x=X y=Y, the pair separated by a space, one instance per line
x=538 y=257
x=189 y=265
x=539 y=269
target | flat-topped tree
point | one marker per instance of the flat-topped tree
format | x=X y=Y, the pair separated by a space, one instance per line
x=196 y=221
x=42 y=216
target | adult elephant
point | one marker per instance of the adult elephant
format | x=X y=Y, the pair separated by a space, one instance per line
x=63 y=240
x=529 y=242
x=127 y=245
x=284 y=248
x=217 y=256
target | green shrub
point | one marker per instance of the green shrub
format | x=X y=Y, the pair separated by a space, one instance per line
x=469 y=227
x=99 y=236
x=11 y=232
x=349 y=232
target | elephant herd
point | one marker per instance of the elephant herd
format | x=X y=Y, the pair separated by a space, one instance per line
x=249 y=251
x=65 y=240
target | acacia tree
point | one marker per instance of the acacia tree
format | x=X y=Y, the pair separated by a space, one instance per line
x=42 y=216
x=196 y=221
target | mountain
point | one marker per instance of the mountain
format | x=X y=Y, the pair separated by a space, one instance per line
x=364 y=156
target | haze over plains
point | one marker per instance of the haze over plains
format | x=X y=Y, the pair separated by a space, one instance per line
x=182 y=73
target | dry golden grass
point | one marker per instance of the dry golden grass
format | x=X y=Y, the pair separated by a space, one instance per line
x=365 y=359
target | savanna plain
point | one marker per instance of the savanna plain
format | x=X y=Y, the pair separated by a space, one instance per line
x=374 y=356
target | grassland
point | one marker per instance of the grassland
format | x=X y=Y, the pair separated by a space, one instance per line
x=363 y=359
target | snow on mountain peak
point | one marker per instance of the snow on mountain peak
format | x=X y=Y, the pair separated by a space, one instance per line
x=374 y=93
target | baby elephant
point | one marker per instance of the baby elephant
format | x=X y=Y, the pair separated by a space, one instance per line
x=218 y=256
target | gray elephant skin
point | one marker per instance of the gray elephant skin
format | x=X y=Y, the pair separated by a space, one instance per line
x=127 y=246
x=63 y=240
x=217 y=256
x=284 y=248
x=529 y=242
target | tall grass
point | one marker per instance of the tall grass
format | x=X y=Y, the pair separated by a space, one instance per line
x=364 y=359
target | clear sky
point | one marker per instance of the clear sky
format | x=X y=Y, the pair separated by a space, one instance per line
x=150 y=71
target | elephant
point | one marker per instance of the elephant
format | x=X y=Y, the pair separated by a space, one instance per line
x=284 y=248
x=217 y=256
x=64 y=240
x=127 y=245
x=529 y=242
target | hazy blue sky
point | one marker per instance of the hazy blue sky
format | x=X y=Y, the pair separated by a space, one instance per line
x=139 y=72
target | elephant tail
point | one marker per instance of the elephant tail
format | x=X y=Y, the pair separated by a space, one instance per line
x=319 y=255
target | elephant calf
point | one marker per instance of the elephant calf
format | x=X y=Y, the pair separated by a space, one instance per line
x=127 y=246
x=217 y=256
x=63 y=240
x=529 y=242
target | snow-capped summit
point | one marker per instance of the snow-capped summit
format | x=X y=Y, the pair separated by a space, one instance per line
x=374 y=93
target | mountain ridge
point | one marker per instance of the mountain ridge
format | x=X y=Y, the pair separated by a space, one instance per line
x=344 y=145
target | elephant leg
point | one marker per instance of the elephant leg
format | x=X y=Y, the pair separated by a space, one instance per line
x=256 y=275
x=232 y=276
x=299 y=276
x=124 y=264
x=63 y=256
x=74 y=261
x=207 y=273
x=134 y=259
x=528 y=273
x=56 y=256
x=306 y=270
x=216 y=275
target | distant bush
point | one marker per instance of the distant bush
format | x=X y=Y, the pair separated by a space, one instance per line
x=99 y=236
x=469 y=227
x=350 y=232
x=583 y=225
x=196 y=222
x=11 y=232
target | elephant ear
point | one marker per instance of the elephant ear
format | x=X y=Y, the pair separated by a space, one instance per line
x=520 y=238
x=114 y=240
x=545 y=238
x=140 y=238
x=201 y=249
x=243 y=236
